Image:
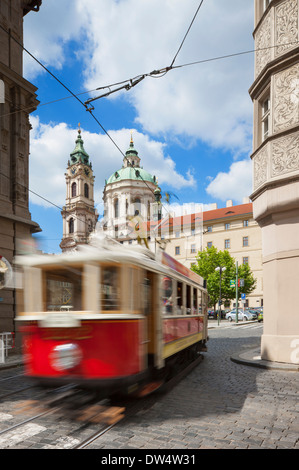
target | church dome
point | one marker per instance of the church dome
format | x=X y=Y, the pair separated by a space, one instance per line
x=131 y=169
x=131 y=173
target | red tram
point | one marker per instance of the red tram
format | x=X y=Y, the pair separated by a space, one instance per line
x=115 y=318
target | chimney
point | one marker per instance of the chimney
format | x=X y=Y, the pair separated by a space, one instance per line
x=229 y=203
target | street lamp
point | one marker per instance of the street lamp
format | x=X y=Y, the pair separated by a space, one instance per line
x=220 y=269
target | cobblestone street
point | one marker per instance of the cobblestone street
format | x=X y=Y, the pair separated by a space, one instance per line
x=220 y=404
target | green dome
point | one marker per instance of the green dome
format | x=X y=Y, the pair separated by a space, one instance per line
x=130 y=173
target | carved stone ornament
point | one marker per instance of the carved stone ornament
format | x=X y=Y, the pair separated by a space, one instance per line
x=285 y=155
x=260 y=163
x=262 y=44
x=286 y=31
x=286 y=99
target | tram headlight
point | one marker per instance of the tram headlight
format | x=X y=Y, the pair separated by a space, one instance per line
x=65 y=356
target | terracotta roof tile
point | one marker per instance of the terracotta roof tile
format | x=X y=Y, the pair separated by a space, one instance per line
x=227 y=212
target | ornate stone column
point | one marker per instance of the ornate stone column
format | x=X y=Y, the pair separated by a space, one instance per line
x=275 y=95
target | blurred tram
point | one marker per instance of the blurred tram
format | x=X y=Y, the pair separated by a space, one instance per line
x=113 y=318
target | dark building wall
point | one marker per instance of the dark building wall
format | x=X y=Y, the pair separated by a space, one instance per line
x=19 y=101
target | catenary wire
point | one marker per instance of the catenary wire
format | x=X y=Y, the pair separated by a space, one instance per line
x=77 y=98
x=154 y=74
x=187 y=32
x=134 y=81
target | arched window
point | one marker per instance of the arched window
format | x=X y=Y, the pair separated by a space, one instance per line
x=71 y=225
x=74 y=189
x=86 y=190
x=116 y=212
x=137 y=206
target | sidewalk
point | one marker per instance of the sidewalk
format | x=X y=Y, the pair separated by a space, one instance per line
x=12 y=360
x=252 y=357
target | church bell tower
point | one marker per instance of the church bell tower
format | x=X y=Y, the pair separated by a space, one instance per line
x=79 y=214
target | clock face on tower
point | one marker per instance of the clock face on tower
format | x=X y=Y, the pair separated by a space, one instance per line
x=86 y=171
x=73 y=170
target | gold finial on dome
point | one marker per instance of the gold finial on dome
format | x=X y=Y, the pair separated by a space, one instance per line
x=79 y=130
x=131 y=137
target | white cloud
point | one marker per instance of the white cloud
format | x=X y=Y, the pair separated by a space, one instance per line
x=208 y=101
x=47 y=33
x=236 y=184
x=118 y=40
x=51 y=145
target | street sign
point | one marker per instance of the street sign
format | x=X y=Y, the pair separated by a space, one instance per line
x=232 y=283
x=243 y=296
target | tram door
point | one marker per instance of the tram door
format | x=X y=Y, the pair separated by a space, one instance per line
x=152 y=312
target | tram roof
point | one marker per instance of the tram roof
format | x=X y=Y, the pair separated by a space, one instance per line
x=115 y=253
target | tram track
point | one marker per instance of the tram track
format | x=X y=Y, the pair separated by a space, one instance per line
x=141 y=403
x=88 y=417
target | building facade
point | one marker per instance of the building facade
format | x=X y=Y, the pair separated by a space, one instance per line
x=275 y=157
x=231 y=228
x=79 y=214
x=17 y=100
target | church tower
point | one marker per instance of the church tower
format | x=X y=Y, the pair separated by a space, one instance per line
x=128 y=193
x=79 y=214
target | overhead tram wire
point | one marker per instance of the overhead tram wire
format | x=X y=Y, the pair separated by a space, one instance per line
x=152 y=74
x=44 y=199
x=187 y=32
x=135 y=81
x=76 y=97
x=130 y=83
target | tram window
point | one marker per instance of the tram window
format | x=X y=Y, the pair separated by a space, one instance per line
x=147 y=295
x=200 y=302
x=134 y=286
x=179 y=297
x=167 y=295
x=110 y=288
x=188 y=299
x=63 y=290
x=195 y=301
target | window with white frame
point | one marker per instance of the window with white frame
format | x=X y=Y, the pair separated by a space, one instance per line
x=227 y=243
x=193 y=248
x=177 y=250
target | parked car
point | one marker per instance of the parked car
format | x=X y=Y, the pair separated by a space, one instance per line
x=246 y=315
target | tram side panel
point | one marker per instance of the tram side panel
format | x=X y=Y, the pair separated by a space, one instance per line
x=98 y=346
x=116 y=322
x=184 y=316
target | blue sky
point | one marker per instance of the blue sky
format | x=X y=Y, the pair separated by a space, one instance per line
x=192 y=127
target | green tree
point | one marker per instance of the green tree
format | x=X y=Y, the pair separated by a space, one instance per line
x=207 y=262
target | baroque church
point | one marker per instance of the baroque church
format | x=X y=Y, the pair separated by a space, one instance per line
x=129 y=196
